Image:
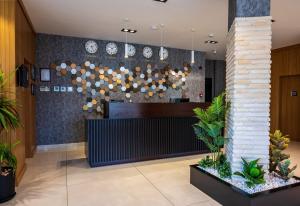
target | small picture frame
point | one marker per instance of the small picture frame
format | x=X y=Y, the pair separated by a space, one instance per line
x=63 y=89
x=70 y=89
x=56 y=88
x=45 y=75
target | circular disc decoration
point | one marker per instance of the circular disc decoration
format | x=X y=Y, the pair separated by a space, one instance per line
x=92 y=66
x=122 y=69
x=63 y=65
x=135 y=85
x=88 y=73
x=73 y=71
x=85 y=107
x=73 y=66
x=127 y=95
x=78 y=79
x=87 y=63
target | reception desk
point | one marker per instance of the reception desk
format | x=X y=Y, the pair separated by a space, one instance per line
x=142 y=131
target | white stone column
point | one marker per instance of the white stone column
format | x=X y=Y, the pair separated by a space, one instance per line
x=248 y=78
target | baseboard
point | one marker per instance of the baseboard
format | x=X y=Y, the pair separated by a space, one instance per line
x=60 y=147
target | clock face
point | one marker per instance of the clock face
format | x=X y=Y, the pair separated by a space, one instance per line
x=165 y=54
x=131 y=50
x=147 y=52
x=111 y=48
x=91 y=46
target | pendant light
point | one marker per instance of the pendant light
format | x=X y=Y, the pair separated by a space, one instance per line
x=126 y=46
x=161 y=52
x=126 y=20
x=193 y=52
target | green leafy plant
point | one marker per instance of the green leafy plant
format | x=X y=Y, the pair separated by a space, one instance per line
x=278 y=143
x=284 y=171
x=9 y=119
x=211 y=123
x=7 y=159
x=252 y=173
x=206 y=162
x=223 y=166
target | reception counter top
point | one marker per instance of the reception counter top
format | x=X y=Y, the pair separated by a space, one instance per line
x=115 y=110
x=136 y=132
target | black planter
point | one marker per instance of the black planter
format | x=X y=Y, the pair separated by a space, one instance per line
x=7 y=189
x=229 y=195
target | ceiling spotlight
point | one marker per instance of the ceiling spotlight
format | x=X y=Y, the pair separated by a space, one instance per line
x=129 y=30
x=211 y=35
x=162 y=1
x=273 y=20
x=214 y=51
x=211 y=42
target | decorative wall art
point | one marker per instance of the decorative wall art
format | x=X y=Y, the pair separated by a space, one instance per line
x=97 y=82
x=45 y=75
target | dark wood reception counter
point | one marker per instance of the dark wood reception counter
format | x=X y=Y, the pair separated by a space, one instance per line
x=136 y=132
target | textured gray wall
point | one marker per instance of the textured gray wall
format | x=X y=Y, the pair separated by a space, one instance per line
x=59 y=116
x=216 y=69
x=247 y=8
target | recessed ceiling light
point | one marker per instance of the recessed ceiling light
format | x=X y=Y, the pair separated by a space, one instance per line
x=273 y=20
x=129 y=30
x=211 y=42
x=162 y=1
x=214 y=51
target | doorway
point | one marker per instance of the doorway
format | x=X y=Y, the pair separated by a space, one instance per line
x=290 y=106
x=208 y=89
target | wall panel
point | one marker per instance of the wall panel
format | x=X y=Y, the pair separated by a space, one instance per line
x=17 y=39
x=285 y=62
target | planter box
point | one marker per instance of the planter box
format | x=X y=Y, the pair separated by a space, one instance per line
x=229 y=195
x=7 y=187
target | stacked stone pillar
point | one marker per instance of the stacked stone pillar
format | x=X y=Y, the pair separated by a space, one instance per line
x=248 y=76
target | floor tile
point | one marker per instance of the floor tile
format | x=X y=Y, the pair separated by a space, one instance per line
x=122 y=191
x=35 y=194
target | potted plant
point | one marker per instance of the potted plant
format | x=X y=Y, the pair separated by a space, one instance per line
x=252 y=185
x=9 y=120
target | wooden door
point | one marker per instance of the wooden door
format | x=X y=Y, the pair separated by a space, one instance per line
x=290 y=106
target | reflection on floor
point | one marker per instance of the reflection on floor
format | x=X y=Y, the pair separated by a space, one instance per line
x=61 y=178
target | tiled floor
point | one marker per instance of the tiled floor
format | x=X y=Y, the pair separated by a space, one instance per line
x=61 y=178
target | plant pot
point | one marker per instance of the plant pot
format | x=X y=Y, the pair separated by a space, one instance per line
x=229 y=195
x=7 y=189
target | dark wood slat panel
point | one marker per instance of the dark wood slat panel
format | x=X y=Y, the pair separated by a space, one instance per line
x=114 y=141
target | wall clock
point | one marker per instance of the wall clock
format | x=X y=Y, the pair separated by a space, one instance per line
x=91 y=46
x=111 y=48
x=131 y=50
x=147 y=52
x=165 y=53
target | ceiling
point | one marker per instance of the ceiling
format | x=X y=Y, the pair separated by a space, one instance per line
x=103 y=19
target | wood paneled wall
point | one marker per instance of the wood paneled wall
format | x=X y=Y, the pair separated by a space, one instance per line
x=285 y=62
x=17 y=40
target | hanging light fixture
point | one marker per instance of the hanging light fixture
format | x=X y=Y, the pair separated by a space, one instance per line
x=161 y=52
x=193 y=52
x=126 y=47
x=126 y=38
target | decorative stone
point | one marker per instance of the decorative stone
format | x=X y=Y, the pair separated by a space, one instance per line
x=248 y=90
